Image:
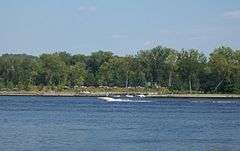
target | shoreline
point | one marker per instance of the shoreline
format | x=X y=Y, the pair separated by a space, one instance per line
x=69 y=94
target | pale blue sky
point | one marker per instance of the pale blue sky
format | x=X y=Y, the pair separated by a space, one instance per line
x=122 y=26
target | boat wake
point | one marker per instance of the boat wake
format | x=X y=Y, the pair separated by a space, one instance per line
x=109 y=99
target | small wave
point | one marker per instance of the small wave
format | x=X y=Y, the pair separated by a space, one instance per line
x=224 y=102
x=109 y=99
x=214 y=102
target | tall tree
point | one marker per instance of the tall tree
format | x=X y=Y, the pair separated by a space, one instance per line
x=114 y=72
x=55 y=69
x=77 y=75
x=190 y=64
x=171 y=62
x=222 y=63
x=154 y=65
x=94 y=62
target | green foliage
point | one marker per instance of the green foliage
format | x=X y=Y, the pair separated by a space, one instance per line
x=161 y=69
x=191 y=64
x=114 y=72
x=76 y=75
x=154 y=64
x=224 y=65
x=54 y=69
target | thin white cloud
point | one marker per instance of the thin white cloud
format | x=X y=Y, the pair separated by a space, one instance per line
x=119 y=36
x=151 y=43
x=147 y=43
x=235 y=14
x=87 y=9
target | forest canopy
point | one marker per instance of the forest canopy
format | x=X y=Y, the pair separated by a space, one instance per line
x=184 y=70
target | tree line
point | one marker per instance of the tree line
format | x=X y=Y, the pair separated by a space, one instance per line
x=184 y=70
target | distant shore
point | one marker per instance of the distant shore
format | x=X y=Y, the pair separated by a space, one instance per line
x=104 y=94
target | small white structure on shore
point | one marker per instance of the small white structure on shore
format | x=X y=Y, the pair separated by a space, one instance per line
x=129 y=96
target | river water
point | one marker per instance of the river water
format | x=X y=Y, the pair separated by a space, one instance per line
x=93 y=124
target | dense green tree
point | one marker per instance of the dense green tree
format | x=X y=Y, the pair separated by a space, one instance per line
x=222 y=63
x=171 y=62
x=54 y=69
x=190 y=64
x=77 y=75
x=17 y=70
x=94 y=62
x=236 y=72
x=154 y=65
x=136 y=74
x=79 y=58
x=122 y=71
x=114 y=72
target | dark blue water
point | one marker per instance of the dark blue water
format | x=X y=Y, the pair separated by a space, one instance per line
x=91 y=124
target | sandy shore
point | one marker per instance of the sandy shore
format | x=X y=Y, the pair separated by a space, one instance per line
x=72 y=94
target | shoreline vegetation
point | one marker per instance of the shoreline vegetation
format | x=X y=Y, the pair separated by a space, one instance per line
x=160 y=71
x=118 y=92
x=68 y=94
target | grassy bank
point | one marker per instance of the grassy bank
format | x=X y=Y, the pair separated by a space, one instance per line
x=112 y=91
x=87 y=91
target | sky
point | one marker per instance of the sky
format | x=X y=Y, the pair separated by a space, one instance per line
x=121 y=26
